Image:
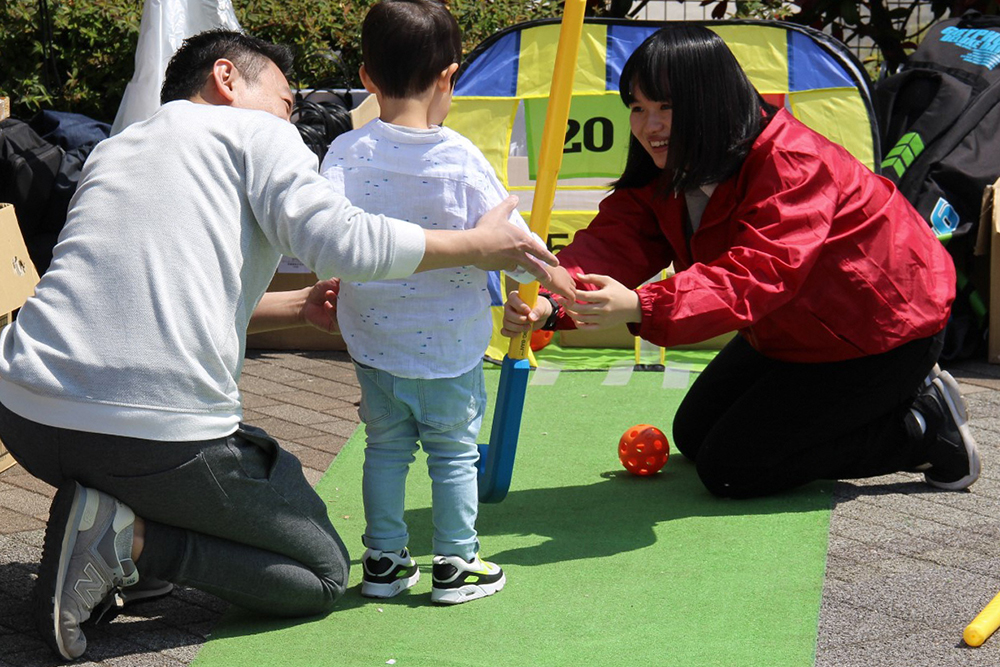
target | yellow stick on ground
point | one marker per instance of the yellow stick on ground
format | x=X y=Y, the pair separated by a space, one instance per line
x=983 y=625
x=553 y=138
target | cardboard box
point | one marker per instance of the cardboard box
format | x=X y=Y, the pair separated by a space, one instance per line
x=293 y=275
x=17 y=274
x=988 y=243
x=17 y=282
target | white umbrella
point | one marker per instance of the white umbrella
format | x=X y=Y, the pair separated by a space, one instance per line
x=165 y=25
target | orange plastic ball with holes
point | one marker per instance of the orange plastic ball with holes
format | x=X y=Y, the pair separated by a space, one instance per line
x=643 y=449
x=540 y=339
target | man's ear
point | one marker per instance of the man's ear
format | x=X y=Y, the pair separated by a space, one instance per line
x=444 y=81
x=222 y=80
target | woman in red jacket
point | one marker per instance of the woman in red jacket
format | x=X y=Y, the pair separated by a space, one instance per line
x=837 y=287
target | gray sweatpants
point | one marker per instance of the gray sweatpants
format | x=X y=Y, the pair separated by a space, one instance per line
x=234 y=517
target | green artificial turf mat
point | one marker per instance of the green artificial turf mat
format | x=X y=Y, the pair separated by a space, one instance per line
x=603 y=568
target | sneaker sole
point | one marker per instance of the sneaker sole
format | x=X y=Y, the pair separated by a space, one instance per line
x=935 y=372
x=466 y=593
x=69 y=502
x=374 y=590
x=130 y=596
x=950 y=384
x=113 y=605
x=959 y=413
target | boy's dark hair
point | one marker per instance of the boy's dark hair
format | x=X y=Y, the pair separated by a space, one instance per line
x=191 y=65
x=406 y=44
x=717 y=113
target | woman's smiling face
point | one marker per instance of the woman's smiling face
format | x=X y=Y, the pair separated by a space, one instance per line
x=650 y=123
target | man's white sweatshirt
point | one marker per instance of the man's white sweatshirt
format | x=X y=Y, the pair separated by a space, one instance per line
x=138 y=328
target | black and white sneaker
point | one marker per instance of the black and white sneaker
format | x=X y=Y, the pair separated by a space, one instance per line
x=86 y=556
x=457 y=580
x=387 y=573
x=936 y=371
x=952 y=456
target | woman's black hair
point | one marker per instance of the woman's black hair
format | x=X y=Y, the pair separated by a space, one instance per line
x=406 y=44
x=191 y=66
x=717 y=113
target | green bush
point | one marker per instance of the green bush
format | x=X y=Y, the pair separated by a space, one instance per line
x=93 y=43
x=90 y=61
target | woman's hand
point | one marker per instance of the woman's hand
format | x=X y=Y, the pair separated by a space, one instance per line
x=612 y=303
x=518 y=318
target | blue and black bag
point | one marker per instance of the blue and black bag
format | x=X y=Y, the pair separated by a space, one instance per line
x=939 y=124
x=40 y=166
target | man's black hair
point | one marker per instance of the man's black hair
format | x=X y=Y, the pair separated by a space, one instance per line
x=406 y=44
x=191 y=66
x=717 y=113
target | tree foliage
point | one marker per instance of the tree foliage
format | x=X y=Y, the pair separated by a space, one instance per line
x=78 y=55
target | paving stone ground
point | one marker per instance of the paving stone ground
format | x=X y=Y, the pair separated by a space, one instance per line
x=907 y=567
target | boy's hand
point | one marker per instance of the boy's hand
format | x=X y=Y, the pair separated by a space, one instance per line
x=320 y=307
x=612 y=303
x=560 y=282
x=518 y=318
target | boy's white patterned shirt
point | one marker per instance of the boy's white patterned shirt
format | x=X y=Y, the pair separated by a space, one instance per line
x=434 y=324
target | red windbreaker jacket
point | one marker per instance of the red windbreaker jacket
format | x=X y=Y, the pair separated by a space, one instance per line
x=806 y=252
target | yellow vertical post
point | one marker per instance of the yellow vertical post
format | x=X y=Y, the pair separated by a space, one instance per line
x=553 y=138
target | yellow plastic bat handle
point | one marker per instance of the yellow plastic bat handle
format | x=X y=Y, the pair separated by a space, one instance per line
x=984 y=624
x=553 y=138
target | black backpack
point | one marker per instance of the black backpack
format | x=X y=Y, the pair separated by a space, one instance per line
x=38 y=178
x=939 y=124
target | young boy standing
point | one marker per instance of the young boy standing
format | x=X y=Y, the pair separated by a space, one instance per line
x=418 y=343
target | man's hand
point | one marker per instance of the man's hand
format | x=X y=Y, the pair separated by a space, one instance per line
x=494 y=244
x=505 y=247
x=612 y=303
x=320 y=307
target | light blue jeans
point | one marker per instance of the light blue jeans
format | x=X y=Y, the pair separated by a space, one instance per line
x=444 y=415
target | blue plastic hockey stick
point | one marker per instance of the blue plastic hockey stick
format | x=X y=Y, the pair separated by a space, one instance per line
x=496 y=460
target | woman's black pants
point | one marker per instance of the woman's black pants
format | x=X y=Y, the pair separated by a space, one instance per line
x=755 y=426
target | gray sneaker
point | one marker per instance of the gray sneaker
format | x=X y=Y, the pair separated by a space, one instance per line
x=87 y=555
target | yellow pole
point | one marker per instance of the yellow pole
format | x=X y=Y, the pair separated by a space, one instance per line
x=553 y=138
x=984 y=624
